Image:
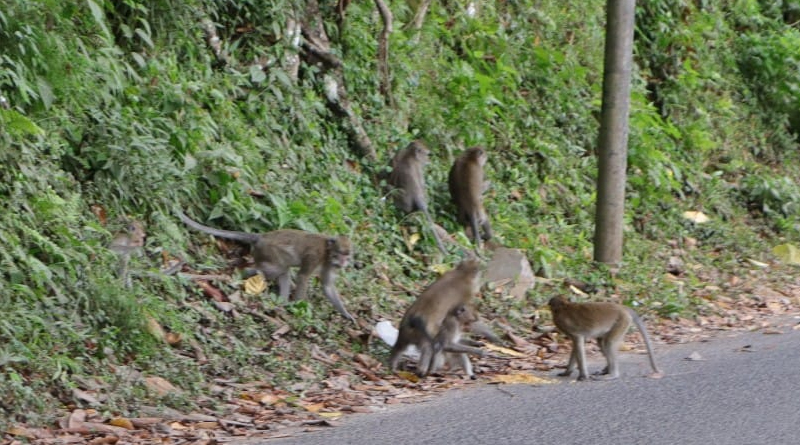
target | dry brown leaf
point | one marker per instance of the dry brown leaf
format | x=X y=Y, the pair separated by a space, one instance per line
x=160 y=386
x=107 y=440
x=173 y=338
x=207 y=425
x=155 y=329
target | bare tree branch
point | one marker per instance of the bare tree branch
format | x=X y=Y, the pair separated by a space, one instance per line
x=383 y=52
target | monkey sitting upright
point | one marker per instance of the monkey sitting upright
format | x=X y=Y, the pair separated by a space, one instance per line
x=276 y=252
x=607 y=322
x=423 y=321
x=466 y=185
x=408 y=180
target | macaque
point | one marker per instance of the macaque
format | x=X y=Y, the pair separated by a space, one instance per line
x=607 y=322
x=467 y=185
x=126 y=243
x=423 y=320
x=407 y=177
x=276 y=252
x=454 y=347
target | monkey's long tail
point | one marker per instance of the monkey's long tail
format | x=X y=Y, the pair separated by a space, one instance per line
x=244 y=237
x=639 y=325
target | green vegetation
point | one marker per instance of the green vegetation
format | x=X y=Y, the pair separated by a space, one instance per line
x=121 y=110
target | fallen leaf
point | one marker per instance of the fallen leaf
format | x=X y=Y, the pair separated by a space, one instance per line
x=20 y=432
x=207 y=425
x=410 y=376
x=521 y=378
x=502 y=350
x=255 y=285
x=315 y=407
x=121 y=422
x=160 y=386
x=787 y=253
x=331 y=415
x=696 y=217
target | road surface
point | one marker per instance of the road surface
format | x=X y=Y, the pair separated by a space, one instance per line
x=745 y=389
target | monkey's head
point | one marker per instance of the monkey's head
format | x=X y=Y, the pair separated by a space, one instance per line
x=338 y=251
x=557 y=302
x=477 y=154
x=465 y=314
x=419 y=150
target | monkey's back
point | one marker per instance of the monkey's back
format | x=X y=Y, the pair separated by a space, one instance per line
x=288 y=246
x=591 y=318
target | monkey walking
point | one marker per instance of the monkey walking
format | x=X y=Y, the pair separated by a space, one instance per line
x=422 y=324
x=607 y=322
x=407 y=177
x=276 y=252
x=466 y=185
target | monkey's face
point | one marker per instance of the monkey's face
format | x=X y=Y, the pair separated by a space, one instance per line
x=421 y=153
x=339 y=251
x=478 y=154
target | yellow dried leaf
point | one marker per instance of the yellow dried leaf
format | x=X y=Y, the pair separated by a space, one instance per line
x=269 y=399
x=155 y=329
x=502 y=350
x=178 y=426
x=413 y=239
x=255 y=285
x=314 y=407
x=20 y=432
x=333 y=415
x=787 y=253
x=521 y=378
x=173 y=338
x=122 y=423
x=696 y=217
x=207 y=425
x=410 y=376
x=439 y=268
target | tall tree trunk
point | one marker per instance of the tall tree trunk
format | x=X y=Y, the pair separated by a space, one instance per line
x=613 y=139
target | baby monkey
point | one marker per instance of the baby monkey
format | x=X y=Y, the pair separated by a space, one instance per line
x=450 y=334
x=607 y=322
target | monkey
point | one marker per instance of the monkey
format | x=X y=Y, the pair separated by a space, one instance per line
x=276 y=252
x=607 y=322
x=125 y=243
x=466 y=185
x=423 y=320
x=454 y=347
x=407 y=177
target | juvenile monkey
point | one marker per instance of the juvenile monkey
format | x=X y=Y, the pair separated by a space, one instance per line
x=407 y=177
x=449 y=335
x=276 y=252
x=607 y=322
x=126 y=243
x=424 y=319
x=466 y=185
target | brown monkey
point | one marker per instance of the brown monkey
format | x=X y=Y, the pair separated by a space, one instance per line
x=276 y=252
x=466 y=185
x=424 y=318
x=607 y=322
x=407 y=177
x=454 y=347
x=125 y=243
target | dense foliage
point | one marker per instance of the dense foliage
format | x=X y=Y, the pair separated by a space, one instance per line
x=120 y=110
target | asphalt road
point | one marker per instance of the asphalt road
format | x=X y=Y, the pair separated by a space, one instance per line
x=745 y=390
